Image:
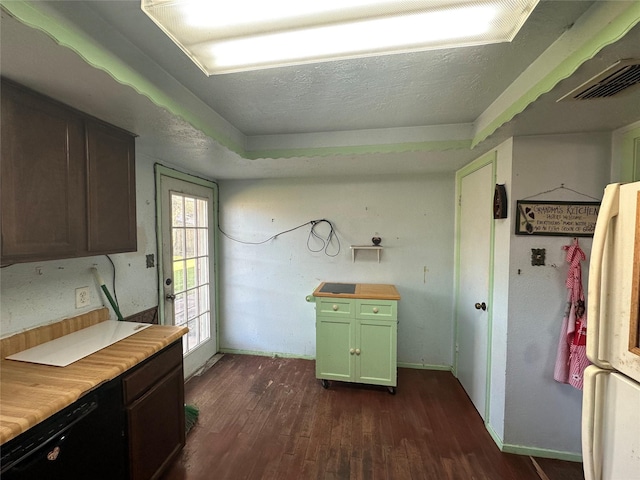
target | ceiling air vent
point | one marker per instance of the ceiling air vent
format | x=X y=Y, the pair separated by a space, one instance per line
x=616 y=78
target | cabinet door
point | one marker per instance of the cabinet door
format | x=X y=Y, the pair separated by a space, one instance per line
x=43 y=178
x=156 y=427
x=376 y=358
x=335 y=337
x=112 y=190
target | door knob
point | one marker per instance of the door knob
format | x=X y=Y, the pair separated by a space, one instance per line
x=357 y=351
x=170 y=296
x=352 y=351
x=481 y=306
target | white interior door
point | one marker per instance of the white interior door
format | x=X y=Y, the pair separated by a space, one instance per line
x=472 y=303
x=188 y=267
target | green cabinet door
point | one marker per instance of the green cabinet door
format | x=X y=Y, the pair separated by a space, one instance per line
x=335 y=340
x=376 y=353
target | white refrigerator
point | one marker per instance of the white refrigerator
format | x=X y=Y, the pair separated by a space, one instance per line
x=611 y=399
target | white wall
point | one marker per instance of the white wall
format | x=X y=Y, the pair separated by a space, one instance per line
x=539 y=412
x=33 y=294
x=263 y=306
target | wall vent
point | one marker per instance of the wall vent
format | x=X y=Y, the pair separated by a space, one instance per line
x=615 y=79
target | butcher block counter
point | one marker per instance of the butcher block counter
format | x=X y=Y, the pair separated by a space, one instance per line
x=30 y=393
x=368 y=291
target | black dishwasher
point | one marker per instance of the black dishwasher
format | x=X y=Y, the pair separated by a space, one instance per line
x=83 y=441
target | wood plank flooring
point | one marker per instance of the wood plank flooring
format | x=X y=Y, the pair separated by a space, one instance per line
x=269 y=418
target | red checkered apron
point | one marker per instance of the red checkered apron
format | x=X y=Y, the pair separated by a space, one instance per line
x=571 y=359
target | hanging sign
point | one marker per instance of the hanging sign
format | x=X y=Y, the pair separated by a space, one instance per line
x=568 y=219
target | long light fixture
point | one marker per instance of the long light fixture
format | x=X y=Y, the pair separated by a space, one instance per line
x=226 y=36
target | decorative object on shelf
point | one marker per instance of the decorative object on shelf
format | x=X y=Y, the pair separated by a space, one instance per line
x=568 y=219
x=376 y=240
x=500 y=201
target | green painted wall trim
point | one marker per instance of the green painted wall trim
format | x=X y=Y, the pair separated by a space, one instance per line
x=433 y=146
x=542 y=452
x=611 y=33
x=265 y=354
x=496 y=438
x=99 y=58
x=423 y=366
x=532 y=451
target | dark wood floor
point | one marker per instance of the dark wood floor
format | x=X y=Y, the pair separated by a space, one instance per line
x=269 y=418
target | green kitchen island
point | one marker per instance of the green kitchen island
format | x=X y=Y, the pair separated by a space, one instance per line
x=356 y=333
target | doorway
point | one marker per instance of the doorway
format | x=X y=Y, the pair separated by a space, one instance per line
x=475 y=185
x=187 y=267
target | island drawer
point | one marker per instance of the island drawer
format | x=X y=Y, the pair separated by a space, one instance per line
x=335 y=307
x=381 y=309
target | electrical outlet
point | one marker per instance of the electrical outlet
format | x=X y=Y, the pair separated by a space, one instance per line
x=82 y=297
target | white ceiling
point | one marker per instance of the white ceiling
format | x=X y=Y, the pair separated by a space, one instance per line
x=436 y=95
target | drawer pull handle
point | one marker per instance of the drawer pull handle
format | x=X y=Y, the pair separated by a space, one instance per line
x=352 y=351
x=357 y=351
x=375 y=310
x=335 y=308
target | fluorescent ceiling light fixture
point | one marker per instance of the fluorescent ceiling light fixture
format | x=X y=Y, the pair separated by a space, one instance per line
x=239 y=35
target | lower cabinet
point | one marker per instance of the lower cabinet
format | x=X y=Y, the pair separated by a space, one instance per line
x=154 y=406
x=131 y=427
x=356 y=341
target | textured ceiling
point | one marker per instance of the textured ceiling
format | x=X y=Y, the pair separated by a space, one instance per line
x=428 y=88
x=331 y=107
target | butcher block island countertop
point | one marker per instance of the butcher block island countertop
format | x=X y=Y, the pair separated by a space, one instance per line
x=370 y=291
x=30 y=393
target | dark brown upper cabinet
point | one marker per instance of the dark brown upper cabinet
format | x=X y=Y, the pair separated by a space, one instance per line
x=111 y=190
x=67 y=179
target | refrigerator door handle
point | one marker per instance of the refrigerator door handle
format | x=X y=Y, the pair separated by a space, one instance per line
x=608 y=210
x=592 y=410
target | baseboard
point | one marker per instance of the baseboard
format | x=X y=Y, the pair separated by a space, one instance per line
x=542 y=452
x=532 y=451
x=265 y=354
x=417 y=366
x=496 y=438
x=422 y=366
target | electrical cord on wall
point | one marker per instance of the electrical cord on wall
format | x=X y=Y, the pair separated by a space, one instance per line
x=326 y=242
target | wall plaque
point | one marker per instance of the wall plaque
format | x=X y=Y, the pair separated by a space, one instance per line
x=568 y=219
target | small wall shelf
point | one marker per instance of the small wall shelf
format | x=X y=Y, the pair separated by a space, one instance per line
x=364 y=247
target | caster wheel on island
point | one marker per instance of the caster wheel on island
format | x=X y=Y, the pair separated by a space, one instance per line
x=325 y=383
x=392 y=390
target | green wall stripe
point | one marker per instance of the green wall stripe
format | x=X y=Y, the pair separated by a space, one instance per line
x=431 y=146
x=613 y=32
x=99 y=58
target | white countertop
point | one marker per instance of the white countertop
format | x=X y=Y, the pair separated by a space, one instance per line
x=70 y=348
